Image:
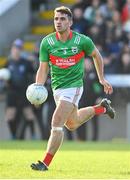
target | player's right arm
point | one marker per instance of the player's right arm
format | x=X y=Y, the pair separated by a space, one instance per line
x=42 y=72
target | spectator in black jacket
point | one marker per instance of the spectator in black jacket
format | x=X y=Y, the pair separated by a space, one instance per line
x=17 y=105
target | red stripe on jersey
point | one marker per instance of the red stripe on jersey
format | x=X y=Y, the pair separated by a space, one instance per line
x=66 y=62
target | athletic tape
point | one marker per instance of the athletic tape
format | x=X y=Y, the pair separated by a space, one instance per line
x=57 y=128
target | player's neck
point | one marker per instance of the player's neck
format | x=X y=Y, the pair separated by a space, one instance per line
x=64 y=36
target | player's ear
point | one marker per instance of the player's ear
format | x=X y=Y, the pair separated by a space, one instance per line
x=71 y=22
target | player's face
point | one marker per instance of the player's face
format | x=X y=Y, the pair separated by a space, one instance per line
x=62 y=22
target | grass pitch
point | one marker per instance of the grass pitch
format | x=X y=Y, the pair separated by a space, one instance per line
x=74 y=160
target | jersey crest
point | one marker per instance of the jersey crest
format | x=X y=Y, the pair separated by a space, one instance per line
x=74 y=50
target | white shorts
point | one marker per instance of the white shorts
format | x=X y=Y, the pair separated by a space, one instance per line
x=71 y=95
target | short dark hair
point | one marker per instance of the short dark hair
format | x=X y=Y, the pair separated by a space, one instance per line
x=64 y=10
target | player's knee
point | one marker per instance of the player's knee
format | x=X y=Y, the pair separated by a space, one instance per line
x=71 y=125
x=70 y=128
x=57 y=132
x=57 y=121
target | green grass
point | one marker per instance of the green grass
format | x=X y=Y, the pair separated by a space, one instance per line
x=81 y=160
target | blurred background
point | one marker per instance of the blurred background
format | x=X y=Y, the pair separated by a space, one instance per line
x=23 y=24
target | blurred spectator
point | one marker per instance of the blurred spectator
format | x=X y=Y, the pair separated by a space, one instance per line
x=110 y=63
x=90 y=12
x=114 y=41
x=124 y=68
x=125 y=48
x=125 y=11
x=81 y=3
x=18 y=108
x=79 y=23
x=120 y=4
x=36 y=4
x=108 y=8
x=124 y=63
x=126 y=25
x=116 y=26
x=98 y=30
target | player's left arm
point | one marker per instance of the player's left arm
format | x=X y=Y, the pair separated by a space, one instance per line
x=98 y=62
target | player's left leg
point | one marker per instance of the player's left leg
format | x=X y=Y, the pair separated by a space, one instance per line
x=78 y=117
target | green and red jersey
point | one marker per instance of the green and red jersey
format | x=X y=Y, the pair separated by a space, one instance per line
x=66 y=59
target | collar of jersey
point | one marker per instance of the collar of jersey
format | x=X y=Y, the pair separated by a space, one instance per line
x=70 y=36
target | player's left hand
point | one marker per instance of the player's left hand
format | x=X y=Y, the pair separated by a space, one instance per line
x=107 y=86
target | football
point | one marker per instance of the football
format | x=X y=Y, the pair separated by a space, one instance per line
x=36 y=94
x=5 y=74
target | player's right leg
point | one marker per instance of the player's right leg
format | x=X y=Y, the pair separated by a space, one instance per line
x=62 y=112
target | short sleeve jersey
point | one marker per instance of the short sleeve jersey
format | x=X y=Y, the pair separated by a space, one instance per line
x=66 y=59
